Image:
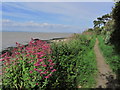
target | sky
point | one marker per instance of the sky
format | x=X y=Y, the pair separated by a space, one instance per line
x=70 y=17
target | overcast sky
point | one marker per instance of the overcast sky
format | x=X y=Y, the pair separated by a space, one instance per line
x=72 y=17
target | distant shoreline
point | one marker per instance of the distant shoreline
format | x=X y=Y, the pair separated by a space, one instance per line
x=10 y=38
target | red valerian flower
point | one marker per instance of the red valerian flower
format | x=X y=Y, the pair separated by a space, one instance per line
x=51 y=67
x=35 y=69
x=37 y=64
x=30 y=71
x=48 y=76
x=44 y=65
x=1 y=59
x=53 y=70
x=36 y=83
x=49 y=60
x=36 y=58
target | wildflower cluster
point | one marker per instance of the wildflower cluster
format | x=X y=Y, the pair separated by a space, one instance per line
x=28 y=65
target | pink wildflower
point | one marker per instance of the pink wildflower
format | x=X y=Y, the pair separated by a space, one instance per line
x=49 y=60
x=17 y=53
x=51 y=67
x=40 y=60
x=31 y=42
x=50 y=75
x=7 y=57
x=52 y=64
x=40 y=70
x=30 y=71
x=36 y=64
x=4 y=54
x=46 y=76
x=27 y=55
x=30 y=61
x=53 y=70
x=35 y=69
x=36 y=83
x=17 y=44
x=0 y=73
x=4 y=63
x=30 y=51
x=39 y=53
x=1 y=59
x=44 y=65
x=43 y=72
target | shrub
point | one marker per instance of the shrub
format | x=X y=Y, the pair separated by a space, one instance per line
x=28 y=66
x=75 y=63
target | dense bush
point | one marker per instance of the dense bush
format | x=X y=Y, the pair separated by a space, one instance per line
x=67 y=65
x=75 y=63
x=28 y=66
x=115 y=36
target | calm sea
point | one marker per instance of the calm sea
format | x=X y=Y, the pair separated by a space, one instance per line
x=9 y=38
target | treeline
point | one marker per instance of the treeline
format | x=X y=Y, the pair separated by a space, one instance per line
x=109 y=26
x=115 y=36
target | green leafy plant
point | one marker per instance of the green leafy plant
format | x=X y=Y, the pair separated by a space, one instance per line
x=28 y=66
x=75 y=63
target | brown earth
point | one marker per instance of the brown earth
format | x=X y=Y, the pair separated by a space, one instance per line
x=105 y=77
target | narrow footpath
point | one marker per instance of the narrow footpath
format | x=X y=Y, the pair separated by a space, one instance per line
x=105 y=77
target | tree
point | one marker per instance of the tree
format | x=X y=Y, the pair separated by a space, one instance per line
x=96 y=23
x=115 y=36
x=102 y=20
x=107 y=17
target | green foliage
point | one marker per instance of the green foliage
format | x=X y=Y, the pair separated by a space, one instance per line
x=101 y=21
x=75 y=63
x=108 y=27
x=90 y=30
x=103 y=24
x=115 y=37
x=112 y=58
x=98 y=30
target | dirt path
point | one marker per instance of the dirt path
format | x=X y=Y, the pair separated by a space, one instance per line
x=105 y=78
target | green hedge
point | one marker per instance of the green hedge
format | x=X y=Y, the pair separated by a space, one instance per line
x=75 y=63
